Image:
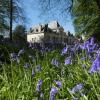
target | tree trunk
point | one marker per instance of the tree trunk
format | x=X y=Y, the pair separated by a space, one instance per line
x=11 y=20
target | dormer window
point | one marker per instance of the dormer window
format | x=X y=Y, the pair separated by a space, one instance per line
x=36 y=30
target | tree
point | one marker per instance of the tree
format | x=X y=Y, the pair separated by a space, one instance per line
x=20 y=29
x=15 y=12
x=19 y=33
x=3 y=17
x=10 y=12
x=86 y=17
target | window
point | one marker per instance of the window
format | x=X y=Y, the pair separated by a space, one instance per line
x=32 y=39
x=36 y=30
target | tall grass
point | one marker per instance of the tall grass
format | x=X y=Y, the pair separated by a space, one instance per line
x=17 y=82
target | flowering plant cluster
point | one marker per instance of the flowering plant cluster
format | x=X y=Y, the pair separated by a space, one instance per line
x=70 y=73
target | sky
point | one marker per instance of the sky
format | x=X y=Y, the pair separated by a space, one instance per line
x=35 y=15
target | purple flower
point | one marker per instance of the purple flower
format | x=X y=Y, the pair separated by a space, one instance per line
x=21 y=52
x=14 y=57
x=77 y=47
x=83 y=47
x=58 y=83
x=76 y=98
x=95 y=66
x=83 y=58
x=98 y=52
x=89 y=45
x=68 y=61
x=27 y=65
x=92 y=39
x=77 y=88
x=90 y=48
x=38 y=68
x=39 y=84
x=64 y=51
x=55 y=62
x=53 y=92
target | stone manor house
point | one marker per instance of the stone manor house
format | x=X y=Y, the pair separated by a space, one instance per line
x=51 y=32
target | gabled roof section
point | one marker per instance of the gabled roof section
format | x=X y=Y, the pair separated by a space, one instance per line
x=53 y=25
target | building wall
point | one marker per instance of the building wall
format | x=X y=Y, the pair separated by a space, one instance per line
x=55 y=37
x=47 y=37
x=35 y=37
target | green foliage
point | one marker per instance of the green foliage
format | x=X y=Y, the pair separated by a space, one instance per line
x=19 y=34
x=86 y=15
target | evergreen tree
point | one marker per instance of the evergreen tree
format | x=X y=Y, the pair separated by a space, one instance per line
x=10 y=12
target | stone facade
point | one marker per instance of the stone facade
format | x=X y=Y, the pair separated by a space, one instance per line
x=51 y=32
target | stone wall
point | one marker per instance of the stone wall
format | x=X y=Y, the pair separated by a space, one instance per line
x=35 y=37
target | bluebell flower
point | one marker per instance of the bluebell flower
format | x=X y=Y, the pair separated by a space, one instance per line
x=77 y=47
x=21 y=52
x=82 y=46
x=64 y=51
x=39 y=85
x=92 y=40
x=77 y=88
x=68 y=61
x=27 y=65
x=76 y=98
x=97 y=53
x=86 y=43
x=38 y=68
x=14 y=57
x=53 y=92
x=55 y=62
x=89 y=45
x=58 y=83
x=83 y=58
x=95 y=66
x=90 y=48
